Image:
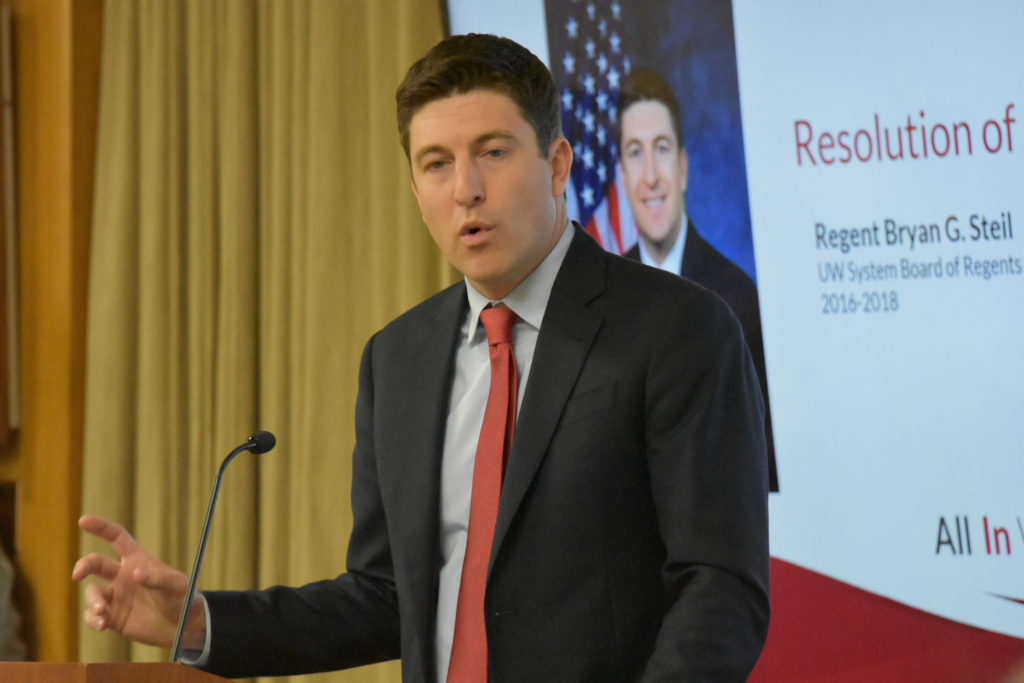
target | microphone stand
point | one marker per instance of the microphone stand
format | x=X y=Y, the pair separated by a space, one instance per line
x=260 y=442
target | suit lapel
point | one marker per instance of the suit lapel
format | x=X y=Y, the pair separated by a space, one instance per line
x=566 y=335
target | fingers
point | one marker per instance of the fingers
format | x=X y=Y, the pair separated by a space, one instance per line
x=98 y=597
x=95 y=564
x=97 y=609
x=98 y=526
x=109 y=531
x=93 y=621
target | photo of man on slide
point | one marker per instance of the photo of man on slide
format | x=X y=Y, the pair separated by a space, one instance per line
x=655 y=169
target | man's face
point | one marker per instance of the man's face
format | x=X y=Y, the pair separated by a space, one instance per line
x=654 y=170
x=491 y=202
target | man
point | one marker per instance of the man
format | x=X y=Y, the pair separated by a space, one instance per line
x=630 y=540
x=655 y=170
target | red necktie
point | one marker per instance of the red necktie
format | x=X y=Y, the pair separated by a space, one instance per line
x=469 y=646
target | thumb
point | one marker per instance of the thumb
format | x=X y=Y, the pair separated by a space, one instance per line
x=144 y=577
x=159 y=578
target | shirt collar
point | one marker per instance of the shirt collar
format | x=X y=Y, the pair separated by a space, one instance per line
x=530 y=297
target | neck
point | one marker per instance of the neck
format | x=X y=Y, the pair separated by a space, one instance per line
x=658 y=249
x=496 y=291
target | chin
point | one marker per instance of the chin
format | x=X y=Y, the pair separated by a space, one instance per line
x=656 y=236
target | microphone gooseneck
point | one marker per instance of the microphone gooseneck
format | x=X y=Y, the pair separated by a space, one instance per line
x=258 y=443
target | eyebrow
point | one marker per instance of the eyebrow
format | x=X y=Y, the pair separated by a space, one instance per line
x=432 y=149
x=478 y=141
x=640 y=141
x=493 y=135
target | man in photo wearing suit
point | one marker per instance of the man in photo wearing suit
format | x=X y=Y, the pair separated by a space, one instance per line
x=550 y=483
x=655 y=170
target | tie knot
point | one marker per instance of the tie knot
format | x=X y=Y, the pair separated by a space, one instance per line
x=498 y=322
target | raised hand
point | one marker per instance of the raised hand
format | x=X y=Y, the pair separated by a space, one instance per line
x=139 y=597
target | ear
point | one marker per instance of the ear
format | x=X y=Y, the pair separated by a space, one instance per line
x=560 y=160
x=416 y=193
x=684 y=169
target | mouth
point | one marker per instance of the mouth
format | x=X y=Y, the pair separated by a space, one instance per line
x=472 y=228
x=653 y=202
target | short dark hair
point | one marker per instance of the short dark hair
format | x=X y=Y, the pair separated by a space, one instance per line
x=462 y=63
x=648 y=85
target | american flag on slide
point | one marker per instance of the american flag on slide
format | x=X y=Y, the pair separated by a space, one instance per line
x=588 y=58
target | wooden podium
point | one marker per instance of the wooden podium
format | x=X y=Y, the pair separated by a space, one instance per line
x=49 y=672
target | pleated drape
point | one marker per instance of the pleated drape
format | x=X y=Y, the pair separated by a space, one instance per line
x=253 y=225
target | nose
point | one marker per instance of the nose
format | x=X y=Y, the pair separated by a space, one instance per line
x=650 y=170
x=469 y=185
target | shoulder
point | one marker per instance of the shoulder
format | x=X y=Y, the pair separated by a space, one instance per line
x=703 y=263
x=441 y=306
x=656 y=302
x=622 y=287
x=431 y=324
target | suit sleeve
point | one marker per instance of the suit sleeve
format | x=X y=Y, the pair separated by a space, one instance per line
x=706 y=457
x=339 y=623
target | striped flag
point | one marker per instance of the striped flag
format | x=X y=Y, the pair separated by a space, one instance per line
x=588 y=58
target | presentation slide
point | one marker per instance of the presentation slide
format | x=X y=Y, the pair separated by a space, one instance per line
x=885 y=169
x=863 y=164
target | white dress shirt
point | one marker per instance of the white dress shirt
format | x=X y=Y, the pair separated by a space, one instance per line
x=470 y=386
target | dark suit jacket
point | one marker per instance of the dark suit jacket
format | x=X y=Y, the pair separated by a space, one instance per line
x=706 y=266
x=631 y=540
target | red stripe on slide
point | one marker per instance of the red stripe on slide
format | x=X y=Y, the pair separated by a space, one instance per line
x=826 y=630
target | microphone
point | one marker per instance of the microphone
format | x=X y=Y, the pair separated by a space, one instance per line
x=258 y=443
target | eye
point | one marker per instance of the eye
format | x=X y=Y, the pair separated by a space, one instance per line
x=495 y=153
x=435 y=165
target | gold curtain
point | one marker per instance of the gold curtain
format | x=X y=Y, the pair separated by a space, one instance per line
x=253 y=225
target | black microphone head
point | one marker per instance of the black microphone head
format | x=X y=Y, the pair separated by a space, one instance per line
x=262 y=442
